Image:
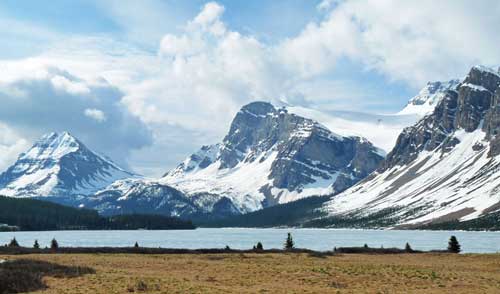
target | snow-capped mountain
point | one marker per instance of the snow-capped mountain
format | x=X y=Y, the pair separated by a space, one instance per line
x=427 y=99
x=59 y=165
x=445 y=167
x=271 y=156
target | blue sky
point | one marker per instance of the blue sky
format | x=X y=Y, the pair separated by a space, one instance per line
x=169 y=75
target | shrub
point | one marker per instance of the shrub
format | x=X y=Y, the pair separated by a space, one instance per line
x=22 y=275
x=289 y=244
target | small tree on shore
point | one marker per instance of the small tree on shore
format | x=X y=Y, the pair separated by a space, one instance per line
x=13 y=243
x=53 y=244
x=259 y=246
x=36 y=245
x=136 y=245
x=408 y=247
x=453 y=245
x=289 y=244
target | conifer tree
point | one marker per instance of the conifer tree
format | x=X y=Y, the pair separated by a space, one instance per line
x=453 y=245
x=53 y=244
x=408 y=247
x=136 y=245
x=259 y=246
x=13 y=243
x=36 y=245
x=289 y=244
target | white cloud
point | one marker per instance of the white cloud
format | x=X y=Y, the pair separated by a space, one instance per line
x=73 y=87
x=204 y=71
x=56 y=100
x=412 y=41
x=95 y=114
x=209 y=19
x=11 y=145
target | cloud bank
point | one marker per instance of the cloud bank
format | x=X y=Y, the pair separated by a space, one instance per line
x=151 y=109
x=50 y=99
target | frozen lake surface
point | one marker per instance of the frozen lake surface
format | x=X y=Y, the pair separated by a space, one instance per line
x=242 y=238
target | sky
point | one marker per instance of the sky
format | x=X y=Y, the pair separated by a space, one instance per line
x=149 y=82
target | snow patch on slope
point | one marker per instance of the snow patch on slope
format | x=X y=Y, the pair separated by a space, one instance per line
x=241 y=184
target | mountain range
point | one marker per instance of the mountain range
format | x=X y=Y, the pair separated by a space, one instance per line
x=445 y=167
x=442 y=165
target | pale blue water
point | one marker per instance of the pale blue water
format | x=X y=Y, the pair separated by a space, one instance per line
x=238 y=238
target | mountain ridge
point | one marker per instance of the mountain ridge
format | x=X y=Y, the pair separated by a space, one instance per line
x=295 y=157
x=442 y=168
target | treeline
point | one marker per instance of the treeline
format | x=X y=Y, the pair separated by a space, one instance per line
x=489 y=222
x=305 y=213
x=36 y=215
x=288 y=214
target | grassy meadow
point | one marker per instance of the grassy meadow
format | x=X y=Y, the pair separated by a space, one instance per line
x=274 y=273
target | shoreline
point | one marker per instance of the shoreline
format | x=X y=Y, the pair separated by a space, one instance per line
x=5 y=250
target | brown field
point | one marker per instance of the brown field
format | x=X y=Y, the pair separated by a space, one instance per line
x=276 y=273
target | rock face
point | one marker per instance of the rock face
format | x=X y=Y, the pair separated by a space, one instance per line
x=59 y=165
x=444 y=167
x=271 y=156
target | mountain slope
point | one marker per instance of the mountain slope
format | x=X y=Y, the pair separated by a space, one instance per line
x=271 y=156
x=444 y=167
x=59 y=165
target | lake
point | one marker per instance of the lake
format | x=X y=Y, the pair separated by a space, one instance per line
x=242 y=238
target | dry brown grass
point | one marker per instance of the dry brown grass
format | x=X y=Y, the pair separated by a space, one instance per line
x=277 y=273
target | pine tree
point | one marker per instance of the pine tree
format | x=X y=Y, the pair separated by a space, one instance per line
x=13 y=243
x=53 y=244
x=36 y=245
x=259 y=246
x=408 y=247
x=453 y=245
x=136 y=245
x=289 y=242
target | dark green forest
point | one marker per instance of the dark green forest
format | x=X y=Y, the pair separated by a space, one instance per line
x=36 y=215
x=289 y=214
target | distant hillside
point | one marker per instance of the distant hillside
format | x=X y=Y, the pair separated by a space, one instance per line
x=36 y=215
x=288 y=214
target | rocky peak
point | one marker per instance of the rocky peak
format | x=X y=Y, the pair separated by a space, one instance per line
x=484 y=77
x=53 y=145
x=428 y=97
x=58 y=164
x=470 y=106
x=286 y=155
